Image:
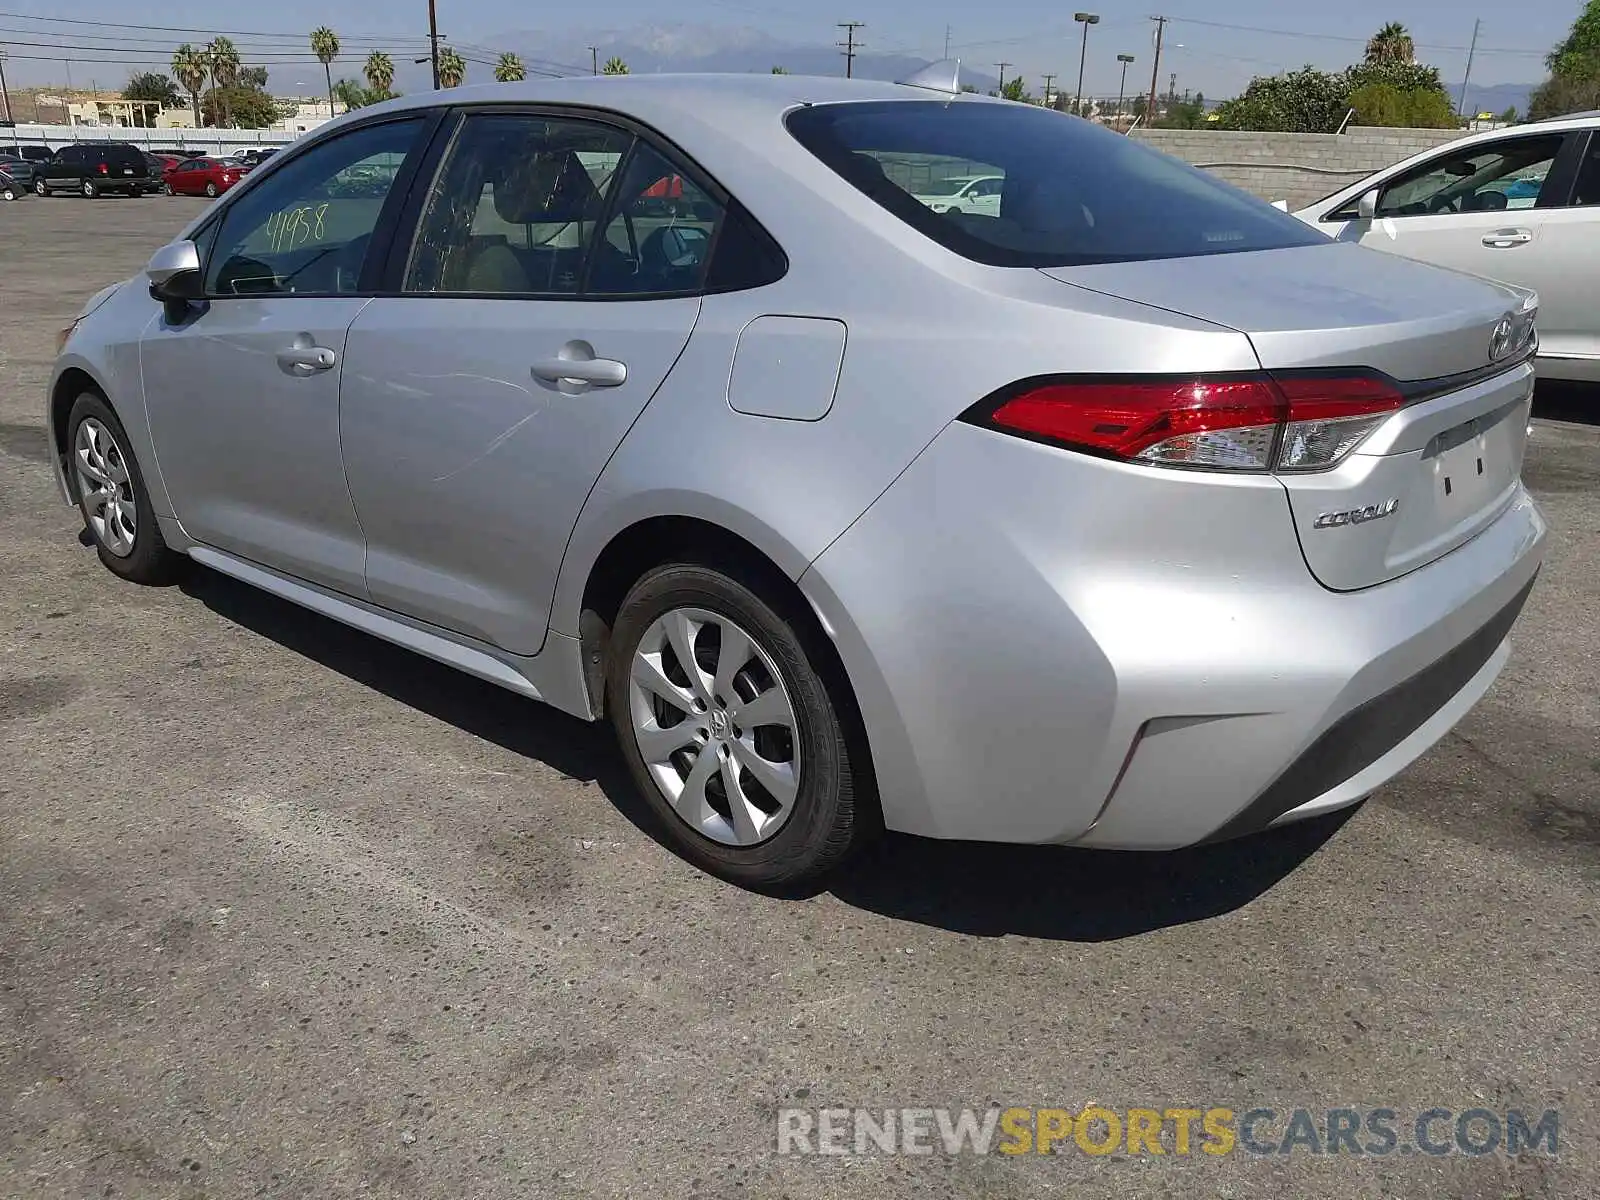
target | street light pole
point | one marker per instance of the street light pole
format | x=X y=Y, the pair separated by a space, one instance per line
x=433 y=42
x=1122 y=88
x=1086 y=20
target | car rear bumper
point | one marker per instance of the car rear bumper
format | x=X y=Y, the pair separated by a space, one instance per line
x=1050 y=648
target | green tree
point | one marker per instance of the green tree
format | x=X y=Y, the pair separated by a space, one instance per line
x=1392 y=43
x=1303 y=101
x=1014 y=89
x=614 y=66
x=1509 y=117
x=1574 y=65
x=151 y=86
x=379 y=70
x=351 y=94
x=325 y=45
x=510 y=69
x=239 y=108
x=780 y=70
x=223 y=57
x=452 y=67
x=190 y=68
x=1185 y=114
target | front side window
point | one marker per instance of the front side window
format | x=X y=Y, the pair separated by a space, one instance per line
x=516 y=206
x=1070 y=193
x=1484 y=178
x=305 y=230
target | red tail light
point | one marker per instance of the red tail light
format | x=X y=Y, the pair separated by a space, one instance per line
x=1233 y=422
x=103 y=169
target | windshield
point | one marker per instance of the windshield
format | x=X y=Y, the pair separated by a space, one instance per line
x=1071 y=192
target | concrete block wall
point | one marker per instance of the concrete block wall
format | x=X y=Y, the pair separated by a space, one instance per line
x=1296 y=167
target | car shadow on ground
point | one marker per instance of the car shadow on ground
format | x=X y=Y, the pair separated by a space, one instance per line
x=1052 y=892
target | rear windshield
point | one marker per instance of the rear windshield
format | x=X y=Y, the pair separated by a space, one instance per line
x=1071 y=192
x=123 y=156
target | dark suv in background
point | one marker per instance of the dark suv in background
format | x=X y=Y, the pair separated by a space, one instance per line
x=93 y=169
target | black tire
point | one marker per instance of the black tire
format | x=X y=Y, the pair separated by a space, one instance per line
x=211 y=190
x=150 y=560
x=169 y=190
x=40 y=188
x=89 y=189
x=8 y=193
x=826 y=821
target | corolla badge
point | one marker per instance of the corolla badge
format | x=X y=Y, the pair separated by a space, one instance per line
x=1357 y=516
x=1501 y=340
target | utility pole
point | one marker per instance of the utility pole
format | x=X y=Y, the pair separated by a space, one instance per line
x=433 y=42
x=1155 y=71
x=1047 y=80
x=1002 y=67
x=947 y=41
x=849 y=45
x=1461 y=107
x=594 y=60
x=1172 y=89
x=1086 y=20
x=1122 y=88
x=5 y=93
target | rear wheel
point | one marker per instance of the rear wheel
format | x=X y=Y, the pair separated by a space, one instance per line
x=730 y=730
x=8 y=193
x=111 y=494
x=90 y=191
x=211 y=190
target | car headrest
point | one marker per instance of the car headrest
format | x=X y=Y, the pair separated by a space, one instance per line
x=548 y=187
x=866 y=173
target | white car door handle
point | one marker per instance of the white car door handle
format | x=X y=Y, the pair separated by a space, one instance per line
x=1504 y=239
x=305 y=359
x=597 y=372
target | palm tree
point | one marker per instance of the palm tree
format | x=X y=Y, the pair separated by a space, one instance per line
x=351 y=94
x=452 y=67
x=614 y=66
x=1391 y=44
x=379 y=71
x=325 y=45
x=509 y=69
x=223 y=56
x=190 y=68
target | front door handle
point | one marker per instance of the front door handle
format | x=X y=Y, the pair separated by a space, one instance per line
x=576 y=365
x=1504 y=239
x=305 y=357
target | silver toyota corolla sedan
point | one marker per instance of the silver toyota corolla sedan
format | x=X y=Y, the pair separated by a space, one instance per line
x=1132 y=513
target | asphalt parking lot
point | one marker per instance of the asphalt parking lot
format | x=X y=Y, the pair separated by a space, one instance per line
x=287 y=912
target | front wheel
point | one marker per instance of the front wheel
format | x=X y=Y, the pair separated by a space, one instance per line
x=169 y=190
x=211 y=190
x=8 y=194
x=111 y=494
x=39 y=188
x=730 y=730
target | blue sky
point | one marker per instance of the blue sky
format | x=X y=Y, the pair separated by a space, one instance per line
x=1213 y=45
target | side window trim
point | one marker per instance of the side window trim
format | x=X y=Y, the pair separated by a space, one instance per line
x=1561 y=185
x=392 y=282
x=608 y=211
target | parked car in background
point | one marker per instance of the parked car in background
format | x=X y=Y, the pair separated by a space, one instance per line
x=11 y=187
x=20 y=169
x=1521 y=205
x=96 y=169
x=201 y=177
x=36 y=154
x=161 y=163
x=1138 y=516
x=964 y=194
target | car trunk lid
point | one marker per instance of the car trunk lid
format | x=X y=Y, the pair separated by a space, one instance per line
x=1438 y=471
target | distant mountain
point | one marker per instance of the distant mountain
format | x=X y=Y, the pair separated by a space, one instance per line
x=1494 y=97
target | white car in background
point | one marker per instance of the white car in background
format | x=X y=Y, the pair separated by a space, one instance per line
x=965 y=194
x=1520 y=205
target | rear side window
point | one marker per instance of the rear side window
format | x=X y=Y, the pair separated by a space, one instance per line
x=1071 y=193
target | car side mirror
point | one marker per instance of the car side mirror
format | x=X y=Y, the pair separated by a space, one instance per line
x=1367 y=206
x=174 y=274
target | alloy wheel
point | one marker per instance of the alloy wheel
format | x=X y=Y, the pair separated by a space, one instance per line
x=715 y=726
x=105 y=487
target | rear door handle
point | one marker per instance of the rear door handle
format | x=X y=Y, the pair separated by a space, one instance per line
x=1504 y=239
x=305 y=357
x=577 y=364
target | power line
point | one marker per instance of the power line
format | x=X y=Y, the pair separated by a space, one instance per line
x=850 y=44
